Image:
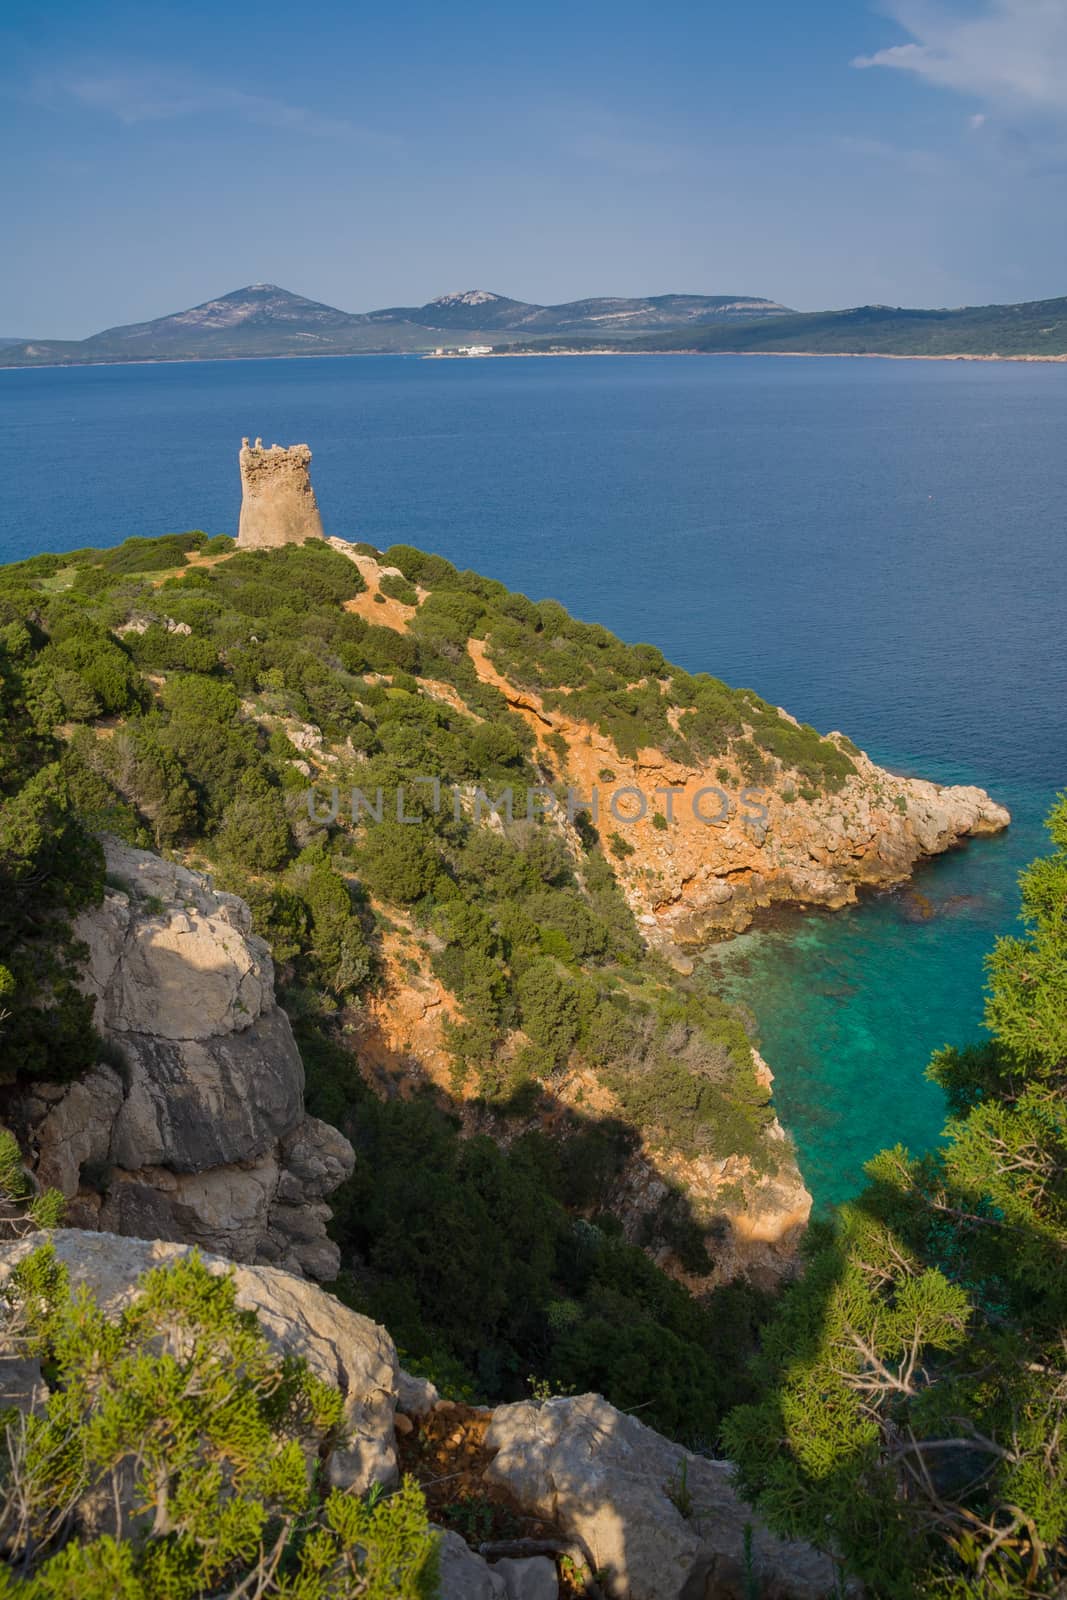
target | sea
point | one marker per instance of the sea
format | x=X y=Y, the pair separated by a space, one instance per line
x=879 y=546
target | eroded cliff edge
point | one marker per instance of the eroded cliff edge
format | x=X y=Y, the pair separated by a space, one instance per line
x=688 y=881
x=695 y=879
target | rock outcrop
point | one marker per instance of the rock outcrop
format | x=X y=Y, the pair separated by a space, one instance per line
x=341 y=1347
x=465 y=1576
x=697 y=879
x=195 y=1129
x=656 y=1522
x=278 y=504
x=652 y=1520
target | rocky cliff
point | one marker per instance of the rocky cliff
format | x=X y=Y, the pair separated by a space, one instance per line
x=650 y=1520
x=689 y=882
x=194 y=1127
x=700 y=878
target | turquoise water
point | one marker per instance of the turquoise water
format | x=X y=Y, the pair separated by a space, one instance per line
x=878 y=546
x=851 y=1004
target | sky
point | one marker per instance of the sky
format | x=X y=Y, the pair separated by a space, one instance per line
x=817 y=152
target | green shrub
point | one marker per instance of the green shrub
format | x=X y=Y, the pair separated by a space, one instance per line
x=418 y=566
x=397 y=862
x=397 y=588
x=550 y=1008
x=206 y=1442
x=49 y=870
x=255 y=830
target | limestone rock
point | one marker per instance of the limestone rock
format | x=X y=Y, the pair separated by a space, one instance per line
x=531 y=1578
x=340 y=1346
x=278 y=504
x=201 y=1136
x=76 y=1131
x=606 y=1480
x=464 y=1575
x=22 y=1386
x=416 y=1396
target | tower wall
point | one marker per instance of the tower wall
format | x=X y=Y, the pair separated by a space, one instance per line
x=278 y=504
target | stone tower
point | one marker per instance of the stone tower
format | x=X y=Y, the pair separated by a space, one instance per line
x=278 y=504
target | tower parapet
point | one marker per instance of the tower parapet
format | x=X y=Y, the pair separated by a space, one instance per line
x=278 y=504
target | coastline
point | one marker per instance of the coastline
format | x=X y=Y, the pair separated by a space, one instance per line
x=523 y=355
x=207 y=361
x=821 y=355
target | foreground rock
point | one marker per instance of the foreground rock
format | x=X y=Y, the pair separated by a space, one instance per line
x=341 y=1347
x=653 y=1521
x=465 y=1576
x=657 y=1523
x=196 y=1130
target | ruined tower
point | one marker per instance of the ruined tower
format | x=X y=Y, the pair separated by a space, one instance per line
x=278 y=504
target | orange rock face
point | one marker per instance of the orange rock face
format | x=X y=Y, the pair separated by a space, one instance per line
x=698 y=878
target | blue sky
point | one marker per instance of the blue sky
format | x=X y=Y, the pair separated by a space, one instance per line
x=821 y=153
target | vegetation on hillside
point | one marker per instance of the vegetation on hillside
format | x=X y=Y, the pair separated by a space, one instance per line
x=915 y=1381
x=159 y=687
x=50 y=868
x=627 y=691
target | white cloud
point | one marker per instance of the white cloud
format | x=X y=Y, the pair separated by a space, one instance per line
x=135 y=96
x=1011 y=52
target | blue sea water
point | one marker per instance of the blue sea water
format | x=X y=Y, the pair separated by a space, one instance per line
x=878 y=546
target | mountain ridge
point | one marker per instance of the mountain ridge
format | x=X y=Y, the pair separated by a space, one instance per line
x=263 y=319
x=1034 y=329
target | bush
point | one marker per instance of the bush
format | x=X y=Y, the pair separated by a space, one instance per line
x=418 y=566
x=206 y=1442
x=550 y=1008
x=49 y=870
x=119 y=783
x=334 y=952
x=397 y=588
x=397 y=862
x=255 y=831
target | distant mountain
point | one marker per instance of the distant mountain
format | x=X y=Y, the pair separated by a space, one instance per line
x=1029 y=328
x=477 y=309
x=260 y=320
x=263 y=320
x=9 y=339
